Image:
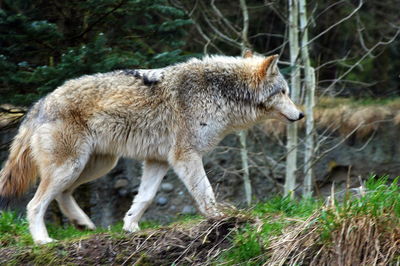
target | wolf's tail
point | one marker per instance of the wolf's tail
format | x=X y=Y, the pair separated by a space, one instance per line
x=20 y=170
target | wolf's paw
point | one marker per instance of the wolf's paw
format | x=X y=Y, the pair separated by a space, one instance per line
x=86 y=225
x=90 y=226
x=44 y=241
x=132 y=227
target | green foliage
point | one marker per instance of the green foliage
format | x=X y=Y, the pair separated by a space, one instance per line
x=362 y=72
x=13 y=229
x=246 y=246
x=43 y=45
x=145 y=225
x=288 y=207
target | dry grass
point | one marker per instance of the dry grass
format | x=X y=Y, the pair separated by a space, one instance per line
x=359 y=240
x=198 y=244
x=365 y=119
x=396 y=119
x=10 y=115
x=345 y=116
x=361 y=230
x=274 y=127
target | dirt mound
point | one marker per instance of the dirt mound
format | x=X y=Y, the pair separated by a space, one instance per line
x=194 y=244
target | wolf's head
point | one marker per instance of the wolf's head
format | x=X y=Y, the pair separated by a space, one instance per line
x=274 y=90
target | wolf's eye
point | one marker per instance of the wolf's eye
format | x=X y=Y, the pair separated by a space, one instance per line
x=283 y=91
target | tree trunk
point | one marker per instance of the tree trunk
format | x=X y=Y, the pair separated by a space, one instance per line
x=292 y=138
x=242 y=134
x=245 y=166
x=309 y=80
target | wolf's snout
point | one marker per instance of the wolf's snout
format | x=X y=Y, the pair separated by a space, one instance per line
x=301 y=115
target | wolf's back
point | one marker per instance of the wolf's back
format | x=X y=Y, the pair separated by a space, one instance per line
x=20 y=170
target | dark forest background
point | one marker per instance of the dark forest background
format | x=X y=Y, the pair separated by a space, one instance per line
x=43 y=43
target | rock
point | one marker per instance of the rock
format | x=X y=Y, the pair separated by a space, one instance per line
x=167 y=187
x=123 y=192
x=135 y=190
x=121 y=183
x=188 y=209
x=162 y=201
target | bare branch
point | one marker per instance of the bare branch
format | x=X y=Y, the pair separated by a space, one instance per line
x=364 y=56
x=222 y=36
x=245 y=31
x=360 y=4
x=205 y=37
x=223 y=18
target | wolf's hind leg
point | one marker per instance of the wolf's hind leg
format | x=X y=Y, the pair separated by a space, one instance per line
x=55 y=178
x=97 y=166
x=153 y=173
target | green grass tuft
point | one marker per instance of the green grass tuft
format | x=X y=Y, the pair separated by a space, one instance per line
x=13 y=230
x=287 y=207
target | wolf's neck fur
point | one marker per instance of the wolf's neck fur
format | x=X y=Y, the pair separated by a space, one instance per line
x=220 y=81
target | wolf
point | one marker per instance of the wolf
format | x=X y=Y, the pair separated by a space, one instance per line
x=167 y=117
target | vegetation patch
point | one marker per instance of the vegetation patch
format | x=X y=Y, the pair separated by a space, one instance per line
x=196 y=242
x=358 y=231
x=361 y=229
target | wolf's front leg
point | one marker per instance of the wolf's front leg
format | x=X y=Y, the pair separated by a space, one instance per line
x=189 y=168
x=153 y=173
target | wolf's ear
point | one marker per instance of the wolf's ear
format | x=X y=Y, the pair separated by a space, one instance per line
x=248 y=53
x=269 y=66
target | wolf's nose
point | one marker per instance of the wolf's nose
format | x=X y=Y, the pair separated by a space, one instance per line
x=301 y=115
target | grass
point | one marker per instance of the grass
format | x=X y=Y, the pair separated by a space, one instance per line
x=281 y=229
x=14 y=230
x=378 y=207
x=271 y=218
x=379 y=199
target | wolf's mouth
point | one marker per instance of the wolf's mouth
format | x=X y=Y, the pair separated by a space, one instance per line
x=287 y=118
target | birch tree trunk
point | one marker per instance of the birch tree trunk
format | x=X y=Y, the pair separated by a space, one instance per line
x=292 y=138
x=309 y=80
x=242 y=134
x=245 y=166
